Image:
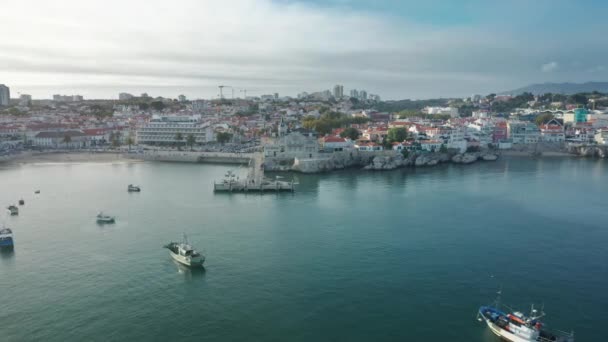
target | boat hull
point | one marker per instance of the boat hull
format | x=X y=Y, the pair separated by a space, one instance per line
x=502 y=333
x=196 y=262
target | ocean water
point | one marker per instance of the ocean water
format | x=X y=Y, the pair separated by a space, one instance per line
x=405 y=255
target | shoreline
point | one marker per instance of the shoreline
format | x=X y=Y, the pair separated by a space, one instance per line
x=104 y=157
x=67 y=157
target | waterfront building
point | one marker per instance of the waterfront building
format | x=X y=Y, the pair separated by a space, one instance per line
x=553 y=131
x=5 y=95
x=500 y=132
x=520 y=132
x=60 y=139
x=164 y=130
x=405 y=145
x=332 y=143
x=601 y=137
x=299 y=143
x=368 y=146
x=430 y=145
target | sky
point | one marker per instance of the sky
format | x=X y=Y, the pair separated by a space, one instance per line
x=396 y=49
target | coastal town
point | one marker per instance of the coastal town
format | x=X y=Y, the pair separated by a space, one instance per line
x=311 y=132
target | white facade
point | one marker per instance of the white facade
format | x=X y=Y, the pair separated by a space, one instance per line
x=292 y=145
x=165 y=129
x=523 y=132
x=452 y=112
x=601 y=137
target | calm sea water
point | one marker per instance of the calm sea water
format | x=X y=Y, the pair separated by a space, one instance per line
x=403 y=255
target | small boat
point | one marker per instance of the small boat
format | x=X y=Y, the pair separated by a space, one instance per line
x=6 y=239
x=103 y=218
x=133 y=188
x=21 y=202
x=13 y=209
x=37 y=191
x=185 y=254
x=518 y=327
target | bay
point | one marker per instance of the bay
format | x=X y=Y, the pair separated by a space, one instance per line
x=351 y=256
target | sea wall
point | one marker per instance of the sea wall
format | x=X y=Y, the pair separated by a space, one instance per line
x=194 y=157
x=378 y=160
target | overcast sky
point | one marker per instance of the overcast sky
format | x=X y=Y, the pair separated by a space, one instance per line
x=397 y=49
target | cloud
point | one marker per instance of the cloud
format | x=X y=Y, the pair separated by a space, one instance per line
x=275 y=46
x=549 y=67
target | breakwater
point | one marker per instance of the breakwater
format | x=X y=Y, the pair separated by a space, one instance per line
x=194 y=157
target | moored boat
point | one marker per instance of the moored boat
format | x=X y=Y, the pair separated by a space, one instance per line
x=133 y=188
x=13 y=209
x=518 y=327
x=21 y=202
x=185 y=254
x=103 y=218
x=6 y=239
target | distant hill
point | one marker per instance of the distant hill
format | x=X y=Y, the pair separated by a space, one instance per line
x=561 y=88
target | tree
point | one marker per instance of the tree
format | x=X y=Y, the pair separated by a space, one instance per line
x=191 y=140
x=157 y=105
x=443 y=148
x=578 y=99
x=115 y=139
x=491 y=97
x=223 y=137
x=179 y=137
x=543 y=118
x=350 y=133
x=144 y=106
x=397 y=134
x=67 y=139
x=130 y=141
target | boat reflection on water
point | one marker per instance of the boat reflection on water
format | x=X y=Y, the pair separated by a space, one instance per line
x=189 y=272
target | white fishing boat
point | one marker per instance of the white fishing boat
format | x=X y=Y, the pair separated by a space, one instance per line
x=185 y=254
x=515 y=326
x=133 y=188
x=103 y=218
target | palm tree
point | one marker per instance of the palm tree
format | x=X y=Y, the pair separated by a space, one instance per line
x=179 y=137
x=67 y=139
x=191 y=140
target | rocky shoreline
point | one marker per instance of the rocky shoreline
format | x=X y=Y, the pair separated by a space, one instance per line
x=373 y=161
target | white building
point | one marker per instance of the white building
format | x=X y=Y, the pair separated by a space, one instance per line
x=60 y=139
x=5 y=95
x=452 y=112
x=552 y=131
x=333 y=144
x=601 y=137
x=164 y=130
x=523 y=132
x=297 y=144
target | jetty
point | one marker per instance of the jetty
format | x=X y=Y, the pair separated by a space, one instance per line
x=255 y=180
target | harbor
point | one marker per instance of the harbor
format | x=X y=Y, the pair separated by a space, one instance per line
x=255 y=181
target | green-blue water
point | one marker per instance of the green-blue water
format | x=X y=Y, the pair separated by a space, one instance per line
x=404 y=255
